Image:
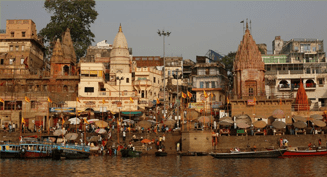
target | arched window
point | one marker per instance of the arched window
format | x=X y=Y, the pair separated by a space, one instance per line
x=250 y=91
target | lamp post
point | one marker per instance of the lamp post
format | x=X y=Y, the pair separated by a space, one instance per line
x=120 y=79
x=164 y=34
x=177 y=76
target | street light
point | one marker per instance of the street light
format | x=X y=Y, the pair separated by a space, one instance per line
x=120 y=103
x=177 y=76
x=164 y=34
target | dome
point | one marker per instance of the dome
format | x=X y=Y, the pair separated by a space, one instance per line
x=120 y=40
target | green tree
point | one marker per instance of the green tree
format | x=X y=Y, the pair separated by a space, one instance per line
x=77 y=15
x=228 y=61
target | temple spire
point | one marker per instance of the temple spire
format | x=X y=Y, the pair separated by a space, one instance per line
x=247 y=25
x=120 y=30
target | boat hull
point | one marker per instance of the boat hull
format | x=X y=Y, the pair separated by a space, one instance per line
x=69 y=154
x=161 y=153
x=6 y=155
x=257 y=154
x=130 y=153
x=34 y=155
x=305 y=153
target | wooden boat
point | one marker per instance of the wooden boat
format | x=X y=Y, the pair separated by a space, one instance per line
x=9 y=150
x=201 y=154
x=35 y=150
x=187 y=154
x=250 y=154
x=130 y=153
x=158 y=153
x=295 y=152
x=70 y=152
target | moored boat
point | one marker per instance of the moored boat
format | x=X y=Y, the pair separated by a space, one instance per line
x=130 y=153
x=35 y=150
x=158 y=153
x=9 y=150
x=250 y=154
x=70 y=152
x=295 y=152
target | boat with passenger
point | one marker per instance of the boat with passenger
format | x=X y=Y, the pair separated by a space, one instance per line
x=10 y=150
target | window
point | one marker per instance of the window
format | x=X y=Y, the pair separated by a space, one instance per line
x=89 y=89
x=305 y=47
x=201 y=84
x=17 y=48
x=250 y=91
x=168 y=72
x=23 y=47
x=213 y=84
x=11 y=61
x=127 y=80
x=1 y=61
x=320 y=47
x=207 y=84
x=11 y=48
x=23 y=34
x=296 y=48
x=33 y=104
x=314 y=49
x=321 y=81
x=12 y=34
x=308 y=70
x=154 y=79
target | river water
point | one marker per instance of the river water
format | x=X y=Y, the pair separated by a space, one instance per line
x=171 y=165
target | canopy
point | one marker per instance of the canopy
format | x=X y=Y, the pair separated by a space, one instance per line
x=279 y=124
x=144 y=124
x=71 y=136
x=92 y=120
x=300 y=124
x=131 y=113
x=316 y=116
x=101 y=123
x=206 y=119
x=319 y=123
x=242 y=125
x=145 y=141
x=299 y=118
x=225 y=123
x=244 y=116
x=278 y=113
x=226 y=119
x=93 y=138
x=59 y=132
x=152 y=121
x=192 y=115
x=74 y=121
x=100 y=131
x=129 y=121
x=246 y=121
x=259 y=124
x=169 y=122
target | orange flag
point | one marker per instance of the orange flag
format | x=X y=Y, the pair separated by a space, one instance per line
x=77 y=99
x=205 y=94
x=131 y=99
x=189 y=94
x=49 y=100
x=183 y=95
x=27 y=99
x=158 y=102
x=1 y=100
x=227 y=100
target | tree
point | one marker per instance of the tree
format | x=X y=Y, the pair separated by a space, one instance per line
x=74 y=14
x=228 y=62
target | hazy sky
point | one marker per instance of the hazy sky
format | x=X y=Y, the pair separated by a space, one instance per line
x=196 y=26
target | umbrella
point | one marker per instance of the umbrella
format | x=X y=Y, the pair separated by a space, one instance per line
x=169 y=122
x=146 y=141
x=300 y=124
x=101 y=123
x=226 y=119
x=299 y=118
x=74 y=121
x=92 y=120
x=93 y=139
x=279 y=124
x=278 y=113
x=152 y=121
x=144 y=124
x=206 y=119
x=259 y=124
x=225 y=123
x=316 y=116
x=100 y=131
x=59 y=132
x=192 y=114
x=129 y=121
x=246 y=121
x=319 y=123
x=242 y=125
x=242 y=116
x=71 y=136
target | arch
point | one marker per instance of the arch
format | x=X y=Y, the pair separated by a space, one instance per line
x=89 y=109
x=66 y=70
x=65 y=88
x=284 y=84
x=310 y=83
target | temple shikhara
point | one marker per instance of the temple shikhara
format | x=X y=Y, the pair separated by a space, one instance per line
x=249 y=72
x=301 y=100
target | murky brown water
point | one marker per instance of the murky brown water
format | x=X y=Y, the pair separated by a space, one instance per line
x=165 y=166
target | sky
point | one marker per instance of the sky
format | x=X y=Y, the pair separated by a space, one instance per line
x=195 y=26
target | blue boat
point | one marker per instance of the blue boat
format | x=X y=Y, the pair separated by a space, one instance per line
x=10 y=150
x=70 y=152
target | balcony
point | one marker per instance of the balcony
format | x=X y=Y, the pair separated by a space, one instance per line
x=142 y=83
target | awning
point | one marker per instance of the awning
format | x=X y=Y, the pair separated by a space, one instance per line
x=131 y=113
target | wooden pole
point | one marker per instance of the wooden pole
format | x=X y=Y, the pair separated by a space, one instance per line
x=76 y=118
x=182 y=111
x=48 y=123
